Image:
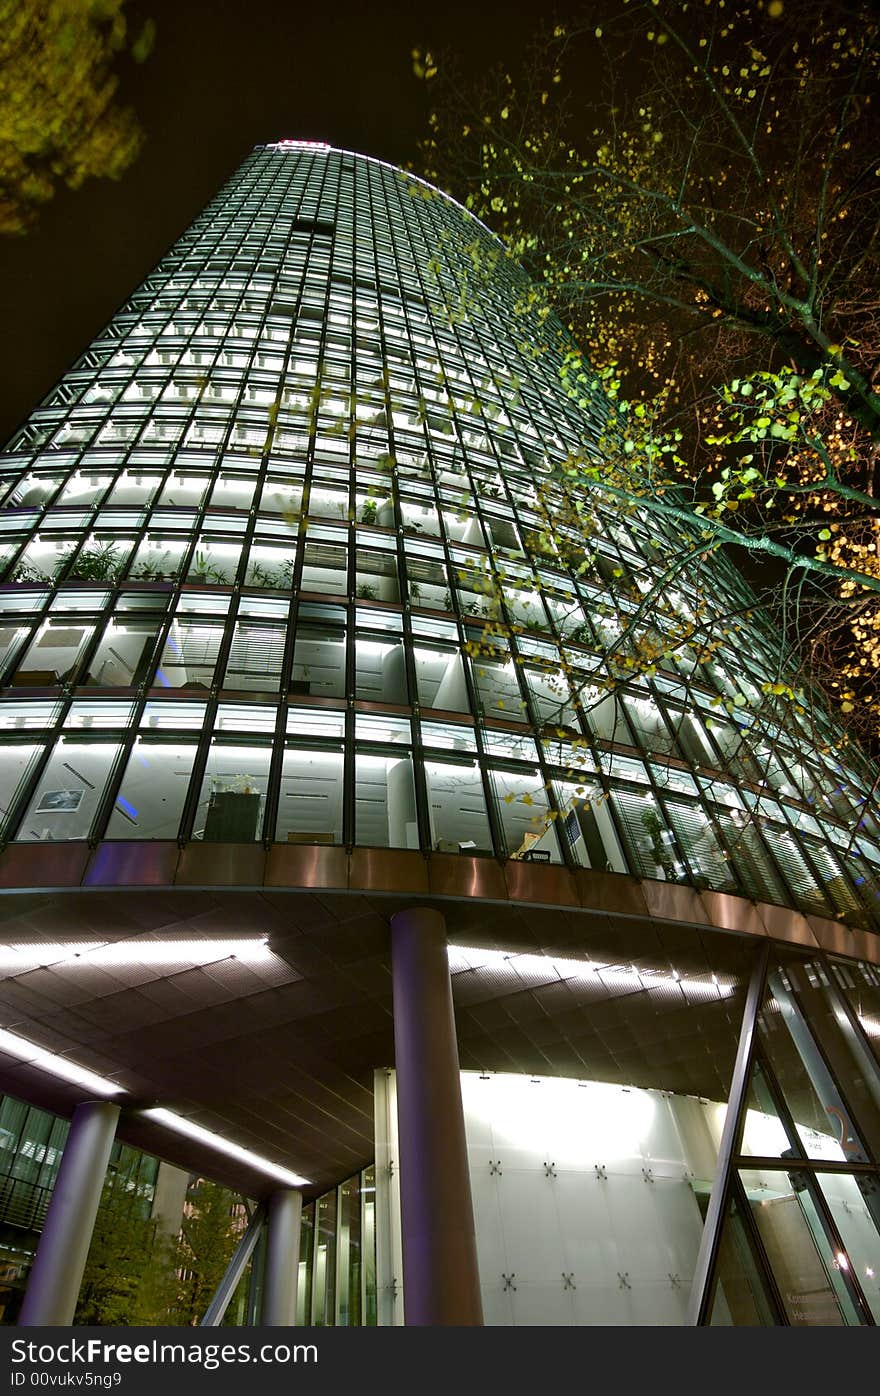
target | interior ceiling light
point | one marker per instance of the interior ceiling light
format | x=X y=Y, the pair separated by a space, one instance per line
x=181 y=1125
x=550 y=967
x=20 y=956
x=56 y=1065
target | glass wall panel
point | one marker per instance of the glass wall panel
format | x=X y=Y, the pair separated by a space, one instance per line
x=440 y=678
x=232 y=800
x=190 y=654
x=324 y=1283
x=348 y=1279
x=522 y=809
x=255 y=657
x=310 y=800
x=16 y=762
x=740 y=1299
x=124 y=654
x=457 y=807
x=306 y=1267
x=318 y=662
x=380 y=671
x=385 y=802
x=805 y=1269
x=53 y=656
x=69 y=791
x=151 y=797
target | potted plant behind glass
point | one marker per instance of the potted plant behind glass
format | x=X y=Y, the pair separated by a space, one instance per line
x=233 y=813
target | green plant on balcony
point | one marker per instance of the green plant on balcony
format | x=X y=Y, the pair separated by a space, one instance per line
x=203 y=570
x=369 y=511
x=366 y=592
x=101 y=564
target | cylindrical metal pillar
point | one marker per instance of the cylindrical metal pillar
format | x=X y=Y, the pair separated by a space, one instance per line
x=282 y=1259
x=441 y=1282
x=56 y=1275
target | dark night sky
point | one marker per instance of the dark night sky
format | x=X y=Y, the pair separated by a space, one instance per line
x=224 y=75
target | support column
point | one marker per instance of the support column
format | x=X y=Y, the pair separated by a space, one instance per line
x=282 y=1259
x=56 y=1275
x=441 y=1284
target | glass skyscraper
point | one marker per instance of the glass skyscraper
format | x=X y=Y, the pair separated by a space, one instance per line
x=294 y=598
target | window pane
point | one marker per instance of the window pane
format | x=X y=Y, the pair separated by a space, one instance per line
x=385 y=802
x=123 y=656
x=256 y=657
x=310 y=799
x=190 y=654
x=153 y=790
x=521 y=806
x=457 y=808
x=69 y=791
x=318 y=663
x=233 y=794
x=381 y=671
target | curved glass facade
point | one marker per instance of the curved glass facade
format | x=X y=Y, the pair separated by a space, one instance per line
x=282 y=564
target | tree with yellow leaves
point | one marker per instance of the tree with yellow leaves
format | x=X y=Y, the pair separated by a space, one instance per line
x=694 y=189
x=60 y=122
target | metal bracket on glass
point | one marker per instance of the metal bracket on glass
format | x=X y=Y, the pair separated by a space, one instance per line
x=508 y=1281
x=389 y=1168
x=674 y=1280
x=495 y=1166
x=568 y=1281
x=549 y=1170
x=623 y=1280
x=600 y=1172
x=648 y=1175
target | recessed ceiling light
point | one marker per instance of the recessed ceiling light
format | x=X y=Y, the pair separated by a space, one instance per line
x=56 y=1065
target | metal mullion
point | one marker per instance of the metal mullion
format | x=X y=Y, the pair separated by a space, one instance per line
x=803 y=1164
x=197 y=774
x=706 y=1266
x=114 y=779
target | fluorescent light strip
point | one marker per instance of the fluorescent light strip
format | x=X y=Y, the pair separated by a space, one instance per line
x=57 y=1066
x=181 y=1125
x=464 y=957
x=22 y=956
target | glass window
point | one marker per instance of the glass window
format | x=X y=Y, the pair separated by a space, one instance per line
x=232 y=801
x=190 y=654
x=69 y=791
x=380 y=670
x=318 y=662
x=53 y=655
x=310 y=798
x=324 y=1283
x=385 y=802
x=124 y=654
x=521 y=805
x=348 y=1280
x=440 y=678
x=806 y=1270
x=457 y=807
x=256 y=657
x=16 y=762
x=153 y=790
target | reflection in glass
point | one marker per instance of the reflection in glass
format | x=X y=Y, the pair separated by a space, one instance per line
x=324 y=1291
x=740 y=1299
x=349 y=1252
x=122 y=658
x=380 y=671
x=151 y=797
x=851 y=1199
x=797 y=1250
